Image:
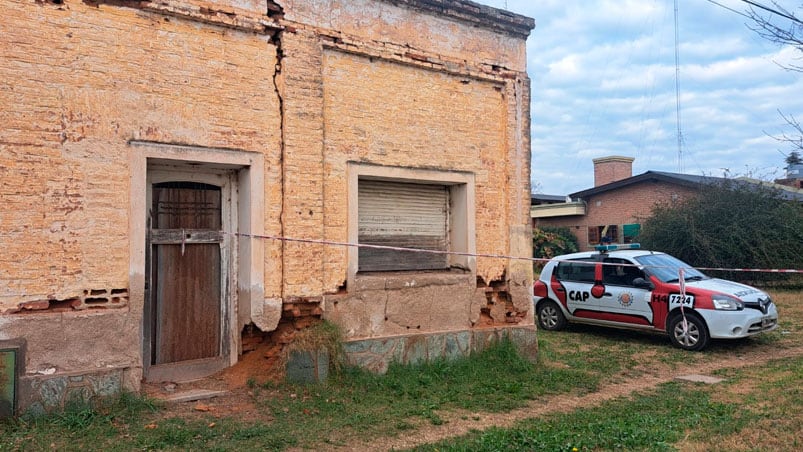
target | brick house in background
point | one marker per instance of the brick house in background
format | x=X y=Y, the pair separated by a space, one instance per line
x=614 y=208
x=152 y=153
x=794 y=177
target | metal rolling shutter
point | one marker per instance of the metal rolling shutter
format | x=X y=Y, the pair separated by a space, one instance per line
x=402 y=215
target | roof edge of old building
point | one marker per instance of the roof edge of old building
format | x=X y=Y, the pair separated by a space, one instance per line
x=479 y=15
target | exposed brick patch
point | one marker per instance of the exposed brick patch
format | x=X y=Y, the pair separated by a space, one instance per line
x=35 y=305
x=297 y=314
x=89 y=299
x=301 y=312
x=499 y=309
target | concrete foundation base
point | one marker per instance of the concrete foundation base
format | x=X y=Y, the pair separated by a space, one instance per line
x=377 y=354
x=41 y=394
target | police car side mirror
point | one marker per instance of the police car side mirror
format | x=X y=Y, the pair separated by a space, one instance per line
x=642 y=283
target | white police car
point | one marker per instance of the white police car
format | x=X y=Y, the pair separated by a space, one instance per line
x=626 y=287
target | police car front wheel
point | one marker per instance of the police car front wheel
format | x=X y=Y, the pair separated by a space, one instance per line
x=689 y=335
x=550 y=316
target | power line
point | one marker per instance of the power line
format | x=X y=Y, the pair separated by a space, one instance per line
x=765 y=8
x=729 y=9
x=773 y=11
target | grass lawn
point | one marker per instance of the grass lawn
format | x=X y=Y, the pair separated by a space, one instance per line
x=755 y=408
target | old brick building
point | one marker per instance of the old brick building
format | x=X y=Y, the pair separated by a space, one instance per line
x=153 y=153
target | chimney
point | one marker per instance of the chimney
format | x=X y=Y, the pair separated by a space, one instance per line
x=612 y=169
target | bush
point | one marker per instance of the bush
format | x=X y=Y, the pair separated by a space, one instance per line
x=549 y=242
x=730 y=225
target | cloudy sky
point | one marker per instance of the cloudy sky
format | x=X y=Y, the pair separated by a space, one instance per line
x=603 y=83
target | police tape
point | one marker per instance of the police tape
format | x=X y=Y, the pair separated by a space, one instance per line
x=763 y=270
x=384 y=247
x=466 y=254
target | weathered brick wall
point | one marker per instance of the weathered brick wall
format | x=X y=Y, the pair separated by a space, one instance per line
x=400 y=115
x=364 y=80
x=413 y=29
x=371 y=82
x=394 y=98
x=79 y=82
x=302 y=94
x=625 y=205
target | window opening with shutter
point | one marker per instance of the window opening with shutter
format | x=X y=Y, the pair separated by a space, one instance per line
x=405 y=215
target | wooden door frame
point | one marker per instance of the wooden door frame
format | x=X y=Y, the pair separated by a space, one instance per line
x=227 y=181
x=250 y=168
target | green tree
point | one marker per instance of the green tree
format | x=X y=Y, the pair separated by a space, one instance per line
x=549 y=242
x=732 y=224
x=793 y=159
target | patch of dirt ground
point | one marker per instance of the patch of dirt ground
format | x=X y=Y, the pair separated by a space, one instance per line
x=262 y=361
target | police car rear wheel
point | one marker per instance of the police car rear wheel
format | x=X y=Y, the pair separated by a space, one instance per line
x=693 y=336
x=550 y=316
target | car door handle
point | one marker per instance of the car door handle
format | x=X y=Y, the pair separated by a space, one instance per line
x=606 y=294
x=560 y=289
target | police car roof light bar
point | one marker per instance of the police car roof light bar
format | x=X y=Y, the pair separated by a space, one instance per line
x=618 y=246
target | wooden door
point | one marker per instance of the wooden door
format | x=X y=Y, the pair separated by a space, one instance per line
x=187 y=281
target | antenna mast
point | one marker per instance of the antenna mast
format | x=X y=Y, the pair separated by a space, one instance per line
x=677 y=92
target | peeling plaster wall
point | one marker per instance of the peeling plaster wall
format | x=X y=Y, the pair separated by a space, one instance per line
x=385 y=84
x=393 y=22
x=85 y=80
x=400 y=115
x=312 y=85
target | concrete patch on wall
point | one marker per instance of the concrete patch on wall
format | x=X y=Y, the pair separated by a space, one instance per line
x=395 y=304
x=266 y=315
x=377 y=354
x=44 y=393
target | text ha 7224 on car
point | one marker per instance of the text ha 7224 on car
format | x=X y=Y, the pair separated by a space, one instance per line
x=626 y=287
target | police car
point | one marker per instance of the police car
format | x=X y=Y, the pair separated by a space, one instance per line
x=627 y=287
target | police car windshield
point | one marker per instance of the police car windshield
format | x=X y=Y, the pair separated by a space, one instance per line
x=667 y=268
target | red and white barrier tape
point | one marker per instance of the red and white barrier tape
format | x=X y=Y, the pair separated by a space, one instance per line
x=458 y=253
x=764 y=270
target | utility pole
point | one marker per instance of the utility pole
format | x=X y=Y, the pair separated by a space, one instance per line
x=677 y=91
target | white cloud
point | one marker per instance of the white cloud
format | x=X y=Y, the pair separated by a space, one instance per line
x=603 y=76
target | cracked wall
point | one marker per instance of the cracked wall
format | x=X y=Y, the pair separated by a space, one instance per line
x=381 y=84
x=88 y=77
x=311 y=85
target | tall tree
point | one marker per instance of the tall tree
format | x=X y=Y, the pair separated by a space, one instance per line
x=781 y=26
x=777 y=24
x=793 y=159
